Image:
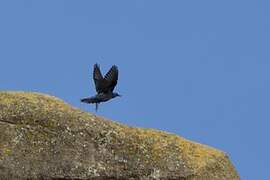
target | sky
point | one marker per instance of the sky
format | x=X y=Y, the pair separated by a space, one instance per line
x=199 y=69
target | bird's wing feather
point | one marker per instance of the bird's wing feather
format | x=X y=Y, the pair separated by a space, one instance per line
x=98 y=78
x=111 y=78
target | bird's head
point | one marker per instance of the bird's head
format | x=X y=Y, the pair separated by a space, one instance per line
x=116 y=95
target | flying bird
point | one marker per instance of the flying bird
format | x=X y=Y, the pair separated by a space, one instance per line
x=104 y=86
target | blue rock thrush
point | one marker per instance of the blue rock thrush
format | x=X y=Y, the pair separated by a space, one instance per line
x=104 y=86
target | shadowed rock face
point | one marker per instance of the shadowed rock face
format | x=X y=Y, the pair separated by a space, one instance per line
x=41 y=137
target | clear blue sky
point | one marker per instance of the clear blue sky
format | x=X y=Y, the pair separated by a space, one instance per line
x=199 y=69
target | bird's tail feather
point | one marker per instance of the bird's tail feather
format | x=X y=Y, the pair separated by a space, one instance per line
x=88 y=100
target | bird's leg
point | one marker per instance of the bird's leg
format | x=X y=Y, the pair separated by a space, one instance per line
x=96 y=107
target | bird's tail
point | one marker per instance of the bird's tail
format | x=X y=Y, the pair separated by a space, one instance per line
x=87 y=100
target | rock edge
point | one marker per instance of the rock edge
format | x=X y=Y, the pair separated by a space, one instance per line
x=42 y=137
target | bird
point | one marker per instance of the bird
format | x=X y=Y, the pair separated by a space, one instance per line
x=104 y=86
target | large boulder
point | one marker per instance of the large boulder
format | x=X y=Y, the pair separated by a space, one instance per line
x=42 y=137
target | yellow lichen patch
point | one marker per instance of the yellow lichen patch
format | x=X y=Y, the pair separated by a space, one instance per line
x=27 y=108
x=160 y=145
x=5 y=151
x=199 y=156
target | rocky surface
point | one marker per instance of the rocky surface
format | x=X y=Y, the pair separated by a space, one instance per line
x=41 y=137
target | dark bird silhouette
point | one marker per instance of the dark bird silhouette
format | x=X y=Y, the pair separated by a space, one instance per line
x=104 y=86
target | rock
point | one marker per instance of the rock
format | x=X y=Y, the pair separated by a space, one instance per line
x=41 y=137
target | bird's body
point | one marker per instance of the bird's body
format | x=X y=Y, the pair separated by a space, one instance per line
x=104 y=86
x=98 y=98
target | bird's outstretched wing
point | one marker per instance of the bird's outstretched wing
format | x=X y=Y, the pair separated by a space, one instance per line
x=111 y=78
x=108 y=83
x=98 y=78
